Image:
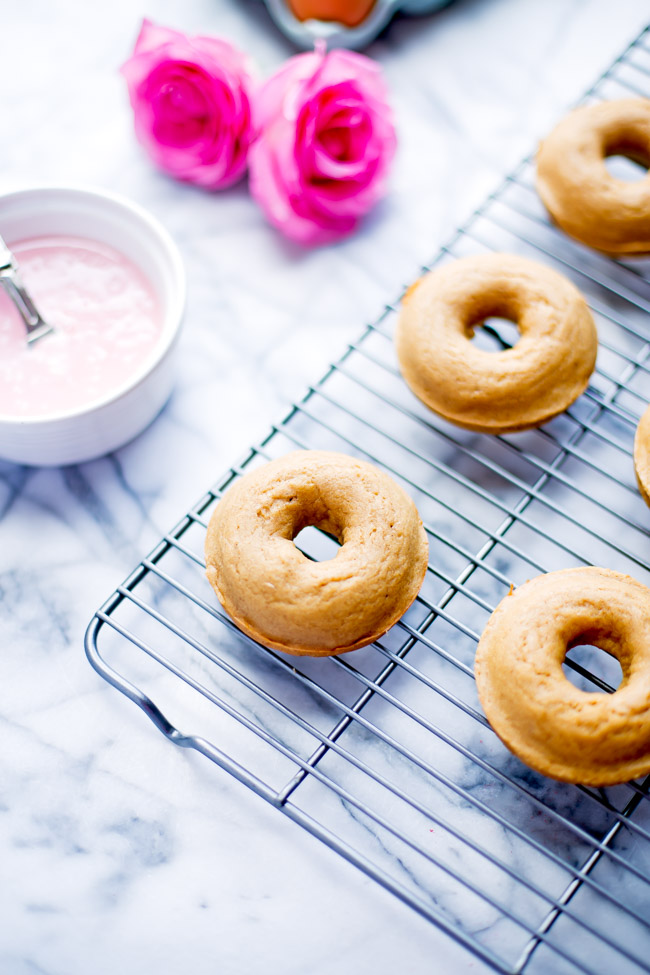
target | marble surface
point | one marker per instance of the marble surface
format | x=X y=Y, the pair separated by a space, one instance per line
x=118 y=851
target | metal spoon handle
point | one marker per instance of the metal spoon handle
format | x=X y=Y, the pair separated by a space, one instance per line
x=35 y=324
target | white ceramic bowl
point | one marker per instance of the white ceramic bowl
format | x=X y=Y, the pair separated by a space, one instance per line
x=96 y=429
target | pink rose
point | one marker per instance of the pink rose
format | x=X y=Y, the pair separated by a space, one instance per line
x=191 y=99
x=325 y=144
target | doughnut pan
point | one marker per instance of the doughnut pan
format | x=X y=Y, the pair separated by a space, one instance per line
x=305 y=33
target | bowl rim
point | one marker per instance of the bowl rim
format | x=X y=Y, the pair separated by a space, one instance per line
x=172 y=312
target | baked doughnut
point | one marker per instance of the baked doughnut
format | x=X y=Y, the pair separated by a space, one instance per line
x=282 y=599
x=584 y=199
x=496 y=392
x=348 y=12
x=642 y=455
x=563 y=732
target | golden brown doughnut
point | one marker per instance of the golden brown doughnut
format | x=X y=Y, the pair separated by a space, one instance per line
x=282 y=599
x=642 y=455
x=496 y=392
x=584 y=199
x=563 y=732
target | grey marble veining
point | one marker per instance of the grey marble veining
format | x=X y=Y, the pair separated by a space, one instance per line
x=118 y=851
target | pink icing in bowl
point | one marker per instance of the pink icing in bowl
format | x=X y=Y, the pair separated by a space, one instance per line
x=111 y=281
x=107 y=322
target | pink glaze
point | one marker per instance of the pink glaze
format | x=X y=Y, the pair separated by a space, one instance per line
x=107 y=320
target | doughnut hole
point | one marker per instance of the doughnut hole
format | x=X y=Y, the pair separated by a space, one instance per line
x=316 y=544
x=314 y=531
x=595 y=663
x=493 y=320
x=626 y=168
x=627 y=159
x=495 y=334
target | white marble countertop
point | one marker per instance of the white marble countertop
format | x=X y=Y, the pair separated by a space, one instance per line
x=119 y=852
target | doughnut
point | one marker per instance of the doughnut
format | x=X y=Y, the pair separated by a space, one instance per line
x=584 y=199
x=642 y=455
x=495 y=392
x=282 y=599
x=563 y=732
x=348 y=12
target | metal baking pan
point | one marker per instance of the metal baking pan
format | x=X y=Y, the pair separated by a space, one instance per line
x=305 y=33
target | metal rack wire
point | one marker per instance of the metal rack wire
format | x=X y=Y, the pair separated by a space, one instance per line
x=385 y=754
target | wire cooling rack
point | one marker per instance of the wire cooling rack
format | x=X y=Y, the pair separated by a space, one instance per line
x=385 y=754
